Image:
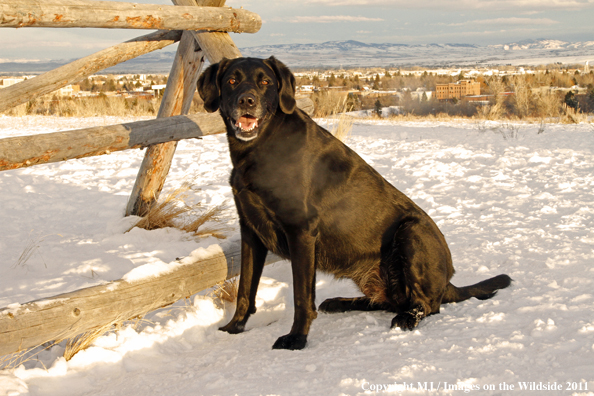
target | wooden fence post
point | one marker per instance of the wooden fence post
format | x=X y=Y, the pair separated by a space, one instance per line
x=176 y=101
x=157 y=159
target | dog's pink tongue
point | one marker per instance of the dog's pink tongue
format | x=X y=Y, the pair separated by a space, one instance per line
x=247 y=123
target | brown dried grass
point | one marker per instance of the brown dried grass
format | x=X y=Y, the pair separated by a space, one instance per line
x=569 y=115
x=84 y=340
x=73 y=346
x=174 y=211
x=342 y=127
x=225 y=292
x=14 y=360
x=342 y=123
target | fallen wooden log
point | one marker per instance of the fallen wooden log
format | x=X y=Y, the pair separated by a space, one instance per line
x=120 y=15
x=73 y=72
x=24 y=326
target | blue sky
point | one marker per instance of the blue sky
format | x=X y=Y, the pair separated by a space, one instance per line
x=373 y=21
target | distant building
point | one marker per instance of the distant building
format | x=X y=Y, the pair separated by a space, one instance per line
x=307 y=88
x=457 y=90
x=7 y=82
x=68 y=90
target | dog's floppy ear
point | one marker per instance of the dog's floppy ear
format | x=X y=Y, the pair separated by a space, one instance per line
x=286 y=81
x=209 y=86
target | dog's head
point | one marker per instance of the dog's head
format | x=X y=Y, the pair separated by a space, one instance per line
x=248 y=92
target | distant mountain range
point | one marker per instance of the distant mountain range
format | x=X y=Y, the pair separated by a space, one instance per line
x=357 y=54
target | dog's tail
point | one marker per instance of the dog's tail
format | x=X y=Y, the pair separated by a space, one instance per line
x=482 y=290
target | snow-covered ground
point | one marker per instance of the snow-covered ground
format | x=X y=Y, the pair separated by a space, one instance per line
x=507 y=198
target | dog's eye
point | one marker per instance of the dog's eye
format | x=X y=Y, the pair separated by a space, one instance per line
x=232 y=81
x=265 y=82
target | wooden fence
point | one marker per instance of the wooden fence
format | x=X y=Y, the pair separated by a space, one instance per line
x=200 y=27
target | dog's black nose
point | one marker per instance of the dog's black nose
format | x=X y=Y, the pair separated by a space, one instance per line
x=247 y=100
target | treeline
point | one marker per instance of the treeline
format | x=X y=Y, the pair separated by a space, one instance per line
x=396 y=80
x=517 y=97
x=545 y=94
x=111 y=83
x=101 y=105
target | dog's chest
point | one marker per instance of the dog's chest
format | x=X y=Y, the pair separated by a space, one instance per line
x=254 y=207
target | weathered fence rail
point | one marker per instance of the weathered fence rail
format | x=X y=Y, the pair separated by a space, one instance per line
x=73 y=72
x=117 y=15
x=24 y=151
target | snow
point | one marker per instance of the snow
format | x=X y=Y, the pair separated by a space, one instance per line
x=155 y=269
x=508 y=199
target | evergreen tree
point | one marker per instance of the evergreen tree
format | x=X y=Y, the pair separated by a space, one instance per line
x=591 y=99
x=332 y=80
x=378 y=108
x=570 y=100
x=376 y=83
x=110 y=86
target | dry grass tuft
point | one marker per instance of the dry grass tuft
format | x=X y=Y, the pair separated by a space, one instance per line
x=174 y=211
x=14 y=360
x=342 y=127
x=327 y=103
x=342 y=123
x=213 y=215
x=84 y=340
x=163 y=213
x=30 y=248
x=491 y=112
x=569 y=115
x=225 y=292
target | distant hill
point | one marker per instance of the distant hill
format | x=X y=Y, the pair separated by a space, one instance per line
x=355 y=53
x=358 y=54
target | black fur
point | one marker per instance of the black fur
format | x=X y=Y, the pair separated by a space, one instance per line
x=304 y=195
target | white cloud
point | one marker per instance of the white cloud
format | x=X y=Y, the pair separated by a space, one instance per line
x=331 y=19
x=34 y=44
x=506 y=5
x=508 y=21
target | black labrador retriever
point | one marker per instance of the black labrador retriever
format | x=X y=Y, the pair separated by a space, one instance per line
x=304 y=195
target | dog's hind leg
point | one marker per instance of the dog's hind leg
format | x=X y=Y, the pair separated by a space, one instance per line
x=341 y=304
x=421 y=261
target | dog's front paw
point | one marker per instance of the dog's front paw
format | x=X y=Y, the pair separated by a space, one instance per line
x=233 y=328
x=291 y=342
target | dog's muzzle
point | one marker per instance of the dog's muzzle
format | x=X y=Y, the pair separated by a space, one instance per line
x=246 y=127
